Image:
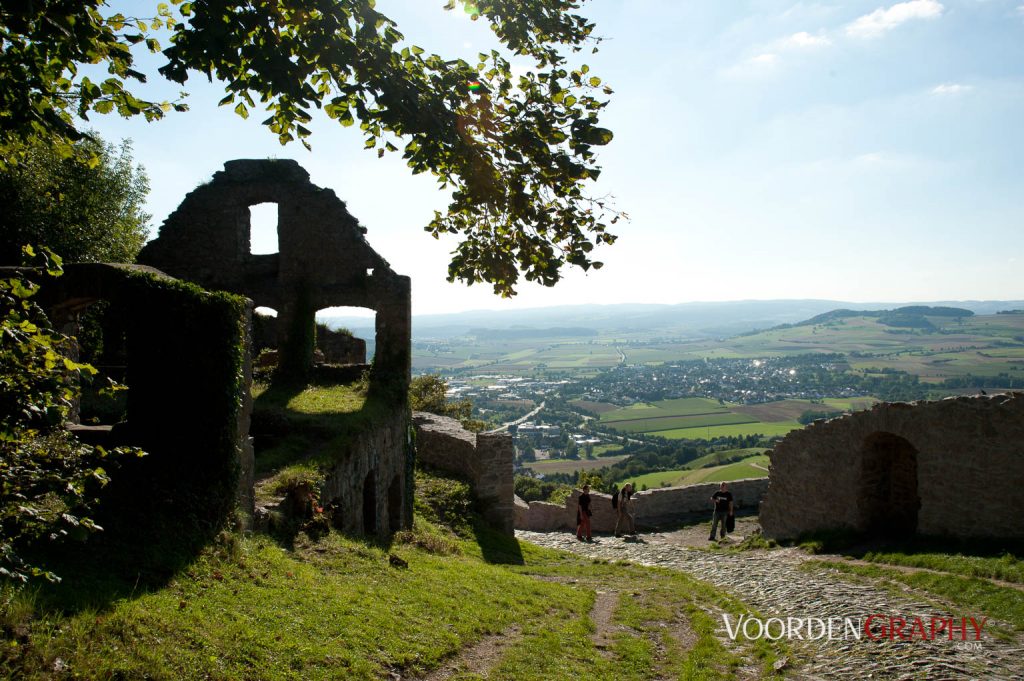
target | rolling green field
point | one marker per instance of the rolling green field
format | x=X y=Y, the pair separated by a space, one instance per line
x=571 y=465
x=752 y=467
x=723 y=457
x=686 y=406
x=668 y=423
x=697 y=417
x=738 y=430
x=983 y=345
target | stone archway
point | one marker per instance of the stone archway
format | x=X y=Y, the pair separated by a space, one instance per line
x=887 y=498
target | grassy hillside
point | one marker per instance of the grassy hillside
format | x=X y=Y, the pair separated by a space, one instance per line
x=751 y=467
x=335 y=607
x=314 y=604
x=983 y=345
x=697 y=417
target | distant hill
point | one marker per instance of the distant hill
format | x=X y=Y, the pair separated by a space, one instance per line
x=525 y=333
x=685 y=320
x=910 y=316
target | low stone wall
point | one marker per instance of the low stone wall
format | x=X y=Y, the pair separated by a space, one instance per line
x=485 y=460
x=652 y=508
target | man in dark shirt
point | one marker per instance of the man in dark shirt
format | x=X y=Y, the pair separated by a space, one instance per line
x=722 y=499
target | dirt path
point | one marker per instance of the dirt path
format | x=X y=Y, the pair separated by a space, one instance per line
x=477 y=659
x=774 y=583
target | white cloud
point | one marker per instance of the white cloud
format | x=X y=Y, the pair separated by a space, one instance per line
x=882 y=20
x=803 y=40
x=760 y=65
x=951 y=89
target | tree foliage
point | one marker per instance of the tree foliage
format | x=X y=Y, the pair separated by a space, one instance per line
x=86 y=207
x=428 y=392
x=47 y=477
x=514 y=149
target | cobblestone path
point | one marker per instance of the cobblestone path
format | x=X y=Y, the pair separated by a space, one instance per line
x=773 y=583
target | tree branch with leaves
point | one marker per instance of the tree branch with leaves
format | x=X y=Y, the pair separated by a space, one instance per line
x=516 y=151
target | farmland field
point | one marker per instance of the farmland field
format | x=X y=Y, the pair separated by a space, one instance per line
x=790 y=410
x=698 y=417
x=662 y=423
x=737 y=430
x=595 y=407
x=719 y=458
x=752 y=467
x=570 y=465
x=687 y=406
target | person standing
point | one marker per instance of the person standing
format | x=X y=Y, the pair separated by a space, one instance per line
x=722 y=500
x=583 y=514
x=625 y=509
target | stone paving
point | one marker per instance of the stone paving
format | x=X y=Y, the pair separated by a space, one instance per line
x=773 y=583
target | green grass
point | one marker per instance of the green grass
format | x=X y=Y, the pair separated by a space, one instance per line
x=743 y=429
x=293 y=424
x=723 y=457
x=686 y=406
x=335 y=608
x=977 y=595
x=661 y=423
x=734 y=471
x=1006 y=567
x=570 y=465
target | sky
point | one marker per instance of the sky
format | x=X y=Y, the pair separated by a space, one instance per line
x=855 y=151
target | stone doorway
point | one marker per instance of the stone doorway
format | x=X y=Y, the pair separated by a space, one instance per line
x=395 y=504
x=888 y=497
x=370 y=504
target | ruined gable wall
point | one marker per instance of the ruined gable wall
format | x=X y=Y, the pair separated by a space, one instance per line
x=970 y=468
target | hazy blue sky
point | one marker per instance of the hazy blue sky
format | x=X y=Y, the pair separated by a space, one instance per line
x=850 y=150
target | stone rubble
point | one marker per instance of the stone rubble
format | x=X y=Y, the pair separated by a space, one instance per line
x=773 y=583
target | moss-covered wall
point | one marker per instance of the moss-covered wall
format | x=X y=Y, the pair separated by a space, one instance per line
x=188 y=400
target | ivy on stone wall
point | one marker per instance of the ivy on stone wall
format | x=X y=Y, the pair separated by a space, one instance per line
x=186 y=353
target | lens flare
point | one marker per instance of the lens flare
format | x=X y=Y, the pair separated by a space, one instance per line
x=474 y=86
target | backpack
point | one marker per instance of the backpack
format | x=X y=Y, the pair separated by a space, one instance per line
x=615 y=497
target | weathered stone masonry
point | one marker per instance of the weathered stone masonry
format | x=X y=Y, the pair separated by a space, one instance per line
x=952 y=467
x=651 y=507
x=323 y=261
x=485 y=460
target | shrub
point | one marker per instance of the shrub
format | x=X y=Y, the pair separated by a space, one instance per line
x=48 y=477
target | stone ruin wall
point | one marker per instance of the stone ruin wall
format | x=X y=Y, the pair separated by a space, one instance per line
x=969 y=468
x=484 y=460
x=663 y=506
x=323 y=261
x=375 y=459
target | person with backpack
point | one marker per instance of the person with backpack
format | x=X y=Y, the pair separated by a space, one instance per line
x=622 y=501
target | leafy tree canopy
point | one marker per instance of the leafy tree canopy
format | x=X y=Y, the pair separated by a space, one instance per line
x=86 y=207
x=515 y=150
x=428 y=392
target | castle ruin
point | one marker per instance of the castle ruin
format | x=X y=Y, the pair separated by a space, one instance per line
x=954 y=467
